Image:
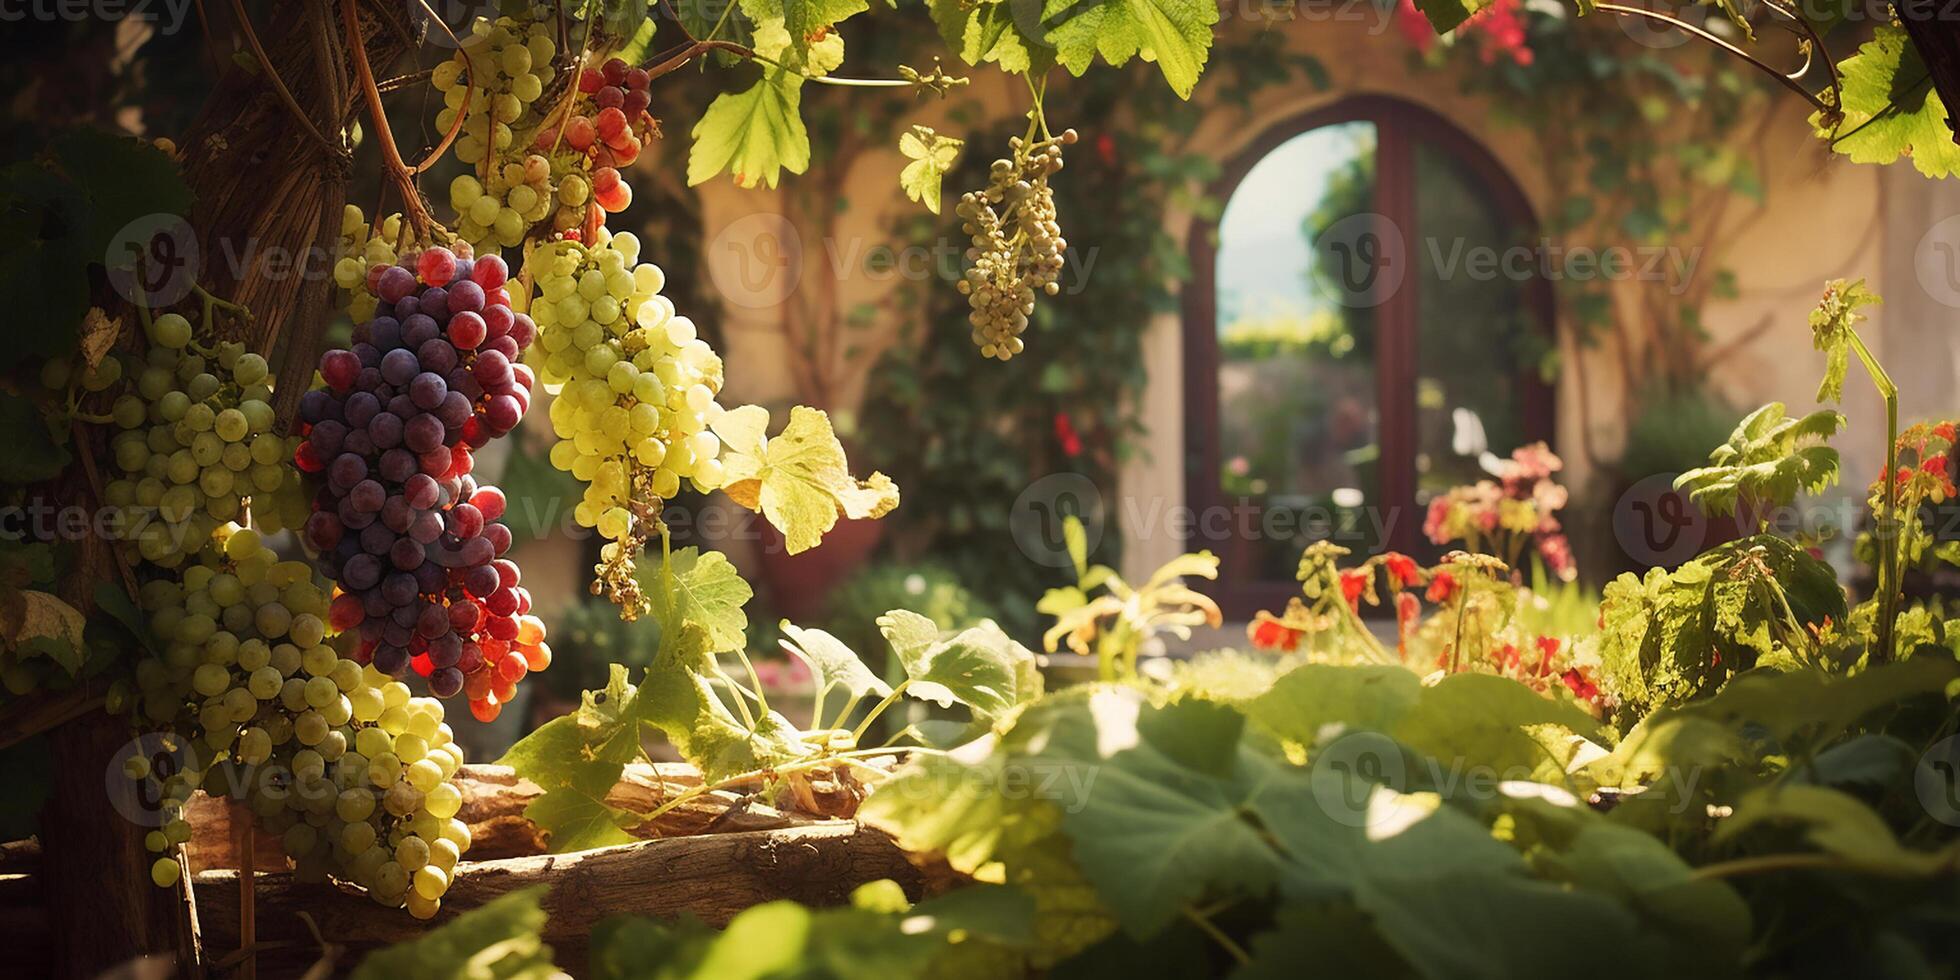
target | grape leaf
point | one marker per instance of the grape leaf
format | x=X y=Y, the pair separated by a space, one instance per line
x=988 y=31
x=981 y=667
x=38 y=624
x=805 y=21
x=702 y=588
x=1176 y=34
x=123 y=179
x=577 y=822
x=1446 y=15
x=506 y=931
x=931 y=155
x=831 y=662
x=1831 y=325
x=1889 y=108
x=756 y=133
x=800 y=479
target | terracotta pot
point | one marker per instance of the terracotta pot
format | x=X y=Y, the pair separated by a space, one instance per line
x=800 y=584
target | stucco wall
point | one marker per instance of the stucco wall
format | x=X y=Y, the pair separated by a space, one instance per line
x=1820 y=218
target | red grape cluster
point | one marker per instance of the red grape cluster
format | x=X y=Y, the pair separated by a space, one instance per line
x=613 y=134
x=399 y=523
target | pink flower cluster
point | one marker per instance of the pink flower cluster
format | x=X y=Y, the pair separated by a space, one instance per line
x=1499 y=30
x=1503 y=517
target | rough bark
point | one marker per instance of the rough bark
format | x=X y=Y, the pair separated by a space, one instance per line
x=712 y=877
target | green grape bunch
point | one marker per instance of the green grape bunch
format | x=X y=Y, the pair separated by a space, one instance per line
x=338 y=760
x=497 y=213
x=362 y=247
x=502 y=68
x=1018 y=249
x=197 y=441
x=636 y=394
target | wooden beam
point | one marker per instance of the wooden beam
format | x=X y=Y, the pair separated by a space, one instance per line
x=712 y=877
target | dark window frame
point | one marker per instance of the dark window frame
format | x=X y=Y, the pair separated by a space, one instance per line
x=1399 y=126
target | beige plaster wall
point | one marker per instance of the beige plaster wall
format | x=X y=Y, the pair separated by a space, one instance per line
x=1821 y=218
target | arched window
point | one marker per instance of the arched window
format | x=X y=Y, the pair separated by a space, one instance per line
x=1365 y=320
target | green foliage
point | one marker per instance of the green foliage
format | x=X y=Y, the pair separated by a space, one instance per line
x=755 y=134
x=59 y=217
x=880 y=933
x=1673 y=430
x=1675 y=635
x=1889 y=109
x=500 y=940
x=1833 y=329
x=1769 y=459
x=1176 y=34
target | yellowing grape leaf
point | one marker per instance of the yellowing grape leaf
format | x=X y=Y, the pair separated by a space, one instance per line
x=99 y=333
x=800 y=479
x=931 y=155
x=1176 y=34
x=755 y=134
x=38 y=624
x=796 y=32
x=1890 y=109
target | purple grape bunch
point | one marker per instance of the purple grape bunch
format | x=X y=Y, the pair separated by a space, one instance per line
x=398 y=521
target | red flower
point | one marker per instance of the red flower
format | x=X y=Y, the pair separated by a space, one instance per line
x=1066 y=435
x=1106 y=148
x=1354 y=581
x=1414 y=27
x=1508 y=656
x=1402 y=571
x=1271 y=634
x=1582 y=688
x=1442 y=588
x=1945 y=430
x=1547 y=649
x=1408 y=610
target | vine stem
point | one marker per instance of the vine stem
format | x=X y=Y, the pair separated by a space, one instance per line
x=1784 y=78
x=1209 y=928
x=462 y=111
x=1889 y=571
x=392 y=164
x=278 y=83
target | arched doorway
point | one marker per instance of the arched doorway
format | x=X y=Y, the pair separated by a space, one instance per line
x=1366 y=319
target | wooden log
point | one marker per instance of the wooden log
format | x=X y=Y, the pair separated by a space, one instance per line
x=712 y=877
x=494 y=799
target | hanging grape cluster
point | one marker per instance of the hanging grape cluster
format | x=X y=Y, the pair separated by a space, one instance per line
x=497 y=214
x=1018 y=248
x=501 y=69
x=197 y=442
x=398 y=520
x=638 y=394
x=339 y=762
